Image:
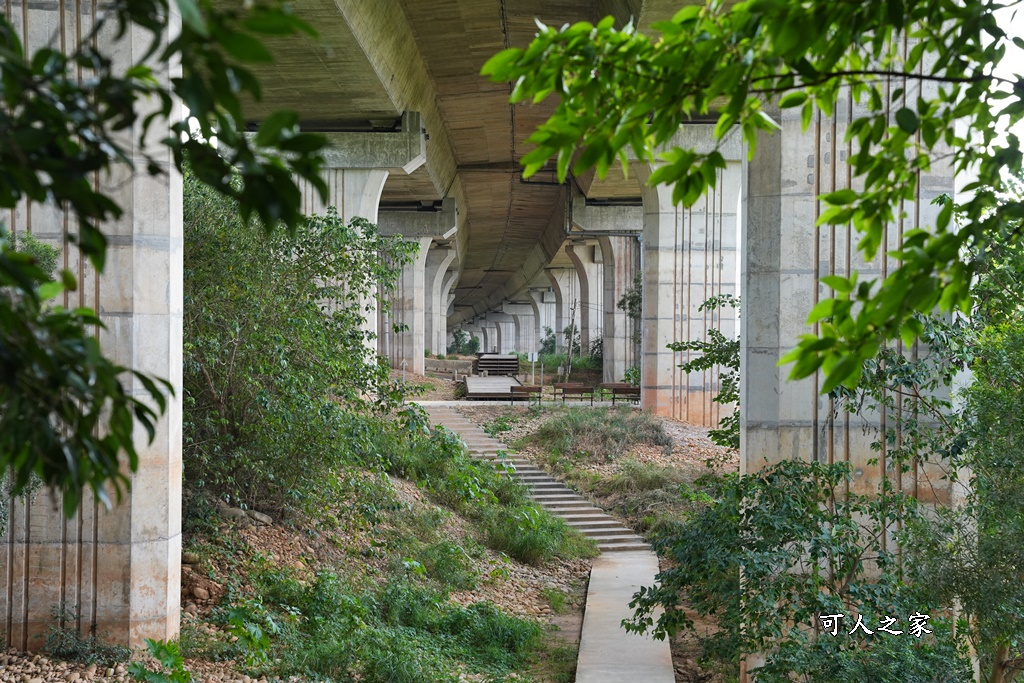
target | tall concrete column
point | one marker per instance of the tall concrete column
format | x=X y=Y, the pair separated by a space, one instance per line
x=689 y=255
x=407 y=311
x=447 y=299
x=566 y=289
x=621 y=264
x=356 y=166
x=505 y=325
x=525 y=326
x=544 y=312
x=409 y=303
x=589 y=274
x=438 y=261
x=783 y=257
x=119 y=570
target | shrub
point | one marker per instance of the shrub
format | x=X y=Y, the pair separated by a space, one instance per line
x=273 y=357
x=70 y=644
x=599 y=433
x=532 y=535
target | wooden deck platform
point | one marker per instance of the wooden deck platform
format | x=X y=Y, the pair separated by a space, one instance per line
x=489 y=388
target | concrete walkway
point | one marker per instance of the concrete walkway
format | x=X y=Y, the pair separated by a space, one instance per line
x=607 y=653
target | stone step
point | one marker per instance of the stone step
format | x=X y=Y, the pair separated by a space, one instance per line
x=621 y=548
x=561 y=507
x=583 y=514
x=608 y=524
x=615 y=540
x=556 y=495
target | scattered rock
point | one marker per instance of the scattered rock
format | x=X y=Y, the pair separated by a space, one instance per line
x=189 y=558
x=191 y=608
x=232 y=513
x=201 y=593
x=260 y=518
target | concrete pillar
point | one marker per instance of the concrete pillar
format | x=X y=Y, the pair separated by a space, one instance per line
x=505 y=325
x=356 y=166
x=438 y=261
x=621 y=264
x=408 y=306
x=565 y=286
x=524 y=324
x=489 y=336
x=119 y=570
x=586 y=258
x=407 y=311
x=544 y=311
x=689 y=255
x=783 y=257
x=447 y=299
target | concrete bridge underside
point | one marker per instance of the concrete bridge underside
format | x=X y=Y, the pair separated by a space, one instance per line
x=429 y=149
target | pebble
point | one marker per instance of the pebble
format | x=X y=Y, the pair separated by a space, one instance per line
x=201 y=593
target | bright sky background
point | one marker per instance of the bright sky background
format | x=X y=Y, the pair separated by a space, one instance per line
x=1011 y=20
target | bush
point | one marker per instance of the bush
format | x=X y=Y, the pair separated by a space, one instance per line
x=531 y=535
x=599 y=433
x=274 y=358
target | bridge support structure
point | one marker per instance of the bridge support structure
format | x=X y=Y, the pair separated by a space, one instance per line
x=408 y=305
x=115 y=572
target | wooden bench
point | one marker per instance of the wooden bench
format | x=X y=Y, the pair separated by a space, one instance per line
x=622 y=392
x=574 y=390
x=528 y=393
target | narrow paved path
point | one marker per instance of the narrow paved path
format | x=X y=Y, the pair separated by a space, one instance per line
x=607 y=653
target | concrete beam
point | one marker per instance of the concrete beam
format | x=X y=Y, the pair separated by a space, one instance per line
x=405 y=149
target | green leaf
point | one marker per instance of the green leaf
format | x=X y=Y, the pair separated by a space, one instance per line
x=192 y=17
x=270 y=130
x=838 y=283
x=840 y=197
x=244 y=47
x=906 y=119
x=50 y=290
x=845 y=370
x=793 y=99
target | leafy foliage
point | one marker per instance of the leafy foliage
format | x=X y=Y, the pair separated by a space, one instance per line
x=719 y=351
x=463 y=344
x=622 y=92
x=804 y=545
x=276 y=355
x=168 y=654
x=58 y=390
x=68 y=412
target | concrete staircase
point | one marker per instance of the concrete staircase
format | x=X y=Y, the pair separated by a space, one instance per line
x=554 y=496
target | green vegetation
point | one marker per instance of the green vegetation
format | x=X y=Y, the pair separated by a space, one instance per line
x=463 y=344
x=403 y=630
x=724 y=353
x=68 y=643
x=58 y=133
x=275 y=362
x=599 y=433
x=923 y=79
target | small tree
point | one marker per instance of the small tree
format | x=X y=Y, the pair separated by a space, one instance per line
x=721 y=352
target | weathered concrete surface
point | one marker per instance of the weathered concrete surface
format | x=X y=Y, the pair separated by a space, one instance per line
x=689 y=255
x=608 y=654
x=119 y=569
x=784 y=255
x=621 y=265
